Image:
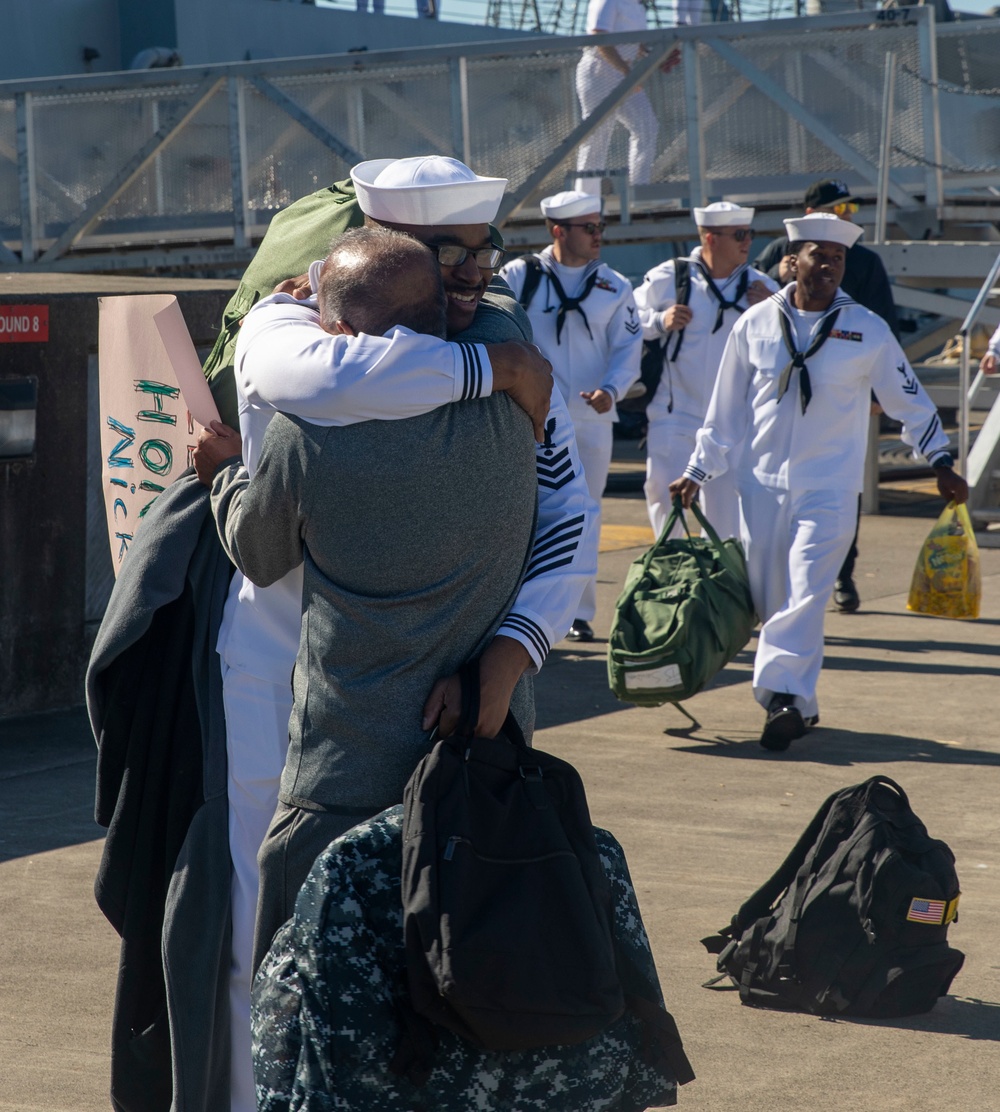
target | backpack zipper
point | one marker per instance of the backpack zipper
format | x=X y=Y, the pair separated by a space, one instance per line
x=457 y=839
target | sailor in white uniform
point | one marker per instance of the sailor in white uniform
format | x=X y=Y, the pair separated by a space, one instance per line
x=584 y=319
x=286 y=362
x=792 y=395
x=690 y=306
x=600 y=69
x=991 y=360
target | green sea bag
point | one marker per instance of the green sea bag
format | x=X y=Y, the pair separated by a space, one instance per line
x=684 y=613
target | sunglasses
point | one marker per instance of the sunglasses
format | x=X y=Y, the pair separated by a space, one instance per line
x=741 y=235
x=842 y=208
x=453 y=254
x=590 y=228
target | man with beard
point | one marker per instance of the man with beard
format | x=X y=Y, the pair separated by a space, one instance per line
x=285 y=360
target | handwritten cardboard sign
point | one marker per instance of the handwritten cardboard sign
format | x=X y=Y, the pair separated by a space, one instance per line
x=152 y=394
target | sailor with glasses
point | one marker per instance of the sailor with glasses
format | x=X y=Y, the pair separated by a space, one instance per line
x=689 y=305
x=584 y=319
x=865 y=280
x=284 y=360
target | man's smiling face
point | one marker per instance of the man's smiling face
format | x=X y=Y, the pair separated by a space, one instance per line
x=466 y=282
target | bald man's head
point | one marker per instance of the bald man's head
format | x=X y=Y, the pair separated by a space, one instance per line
x=375 y=278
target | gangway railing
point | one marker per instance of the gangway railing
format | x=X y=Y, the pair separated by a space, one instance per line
x=183 y=168
x=979 y=462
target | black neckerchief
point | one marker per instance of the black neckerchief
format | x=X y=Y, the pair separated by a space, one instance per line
x=799 y=357
x=568 y=304
x=723 y=304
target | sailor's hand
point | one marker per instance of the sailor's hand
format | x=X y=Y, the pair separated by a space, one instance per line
x=676 y=317
x=216 y=444
x=951 y=486
x=598 y=400
x=298 y=288
x=686 y=489
x=757 y=292
x=988 y=364
x=522 y=371
x=672 y=60
x=502 y=664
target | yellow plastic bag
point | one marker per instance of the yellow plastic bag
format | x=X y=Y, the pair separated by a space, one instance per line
x=946 y=581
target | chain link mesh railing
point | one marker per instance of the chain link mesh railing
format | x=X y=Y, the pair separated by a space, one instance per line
x=772 y=104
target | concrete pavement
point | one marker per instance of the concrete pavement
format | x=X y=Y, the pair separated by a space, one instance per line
x=704 y=815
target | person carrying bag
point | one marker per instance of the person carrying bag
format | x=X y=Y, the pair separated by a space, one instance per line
x=684 y=613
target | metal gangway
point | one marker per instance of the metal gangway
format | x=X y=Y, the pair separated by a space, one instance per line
x=183 y=168
x=180 y=170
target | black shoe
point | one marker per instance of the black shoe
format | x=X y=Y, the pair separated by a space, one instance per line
x=811 y=720
x=580 y=631
x=845 y=596
x=783 y=725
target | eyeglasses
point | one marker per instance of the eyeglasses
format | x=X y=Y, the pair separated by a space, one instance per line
x=453 y=254
x=741 y=235
x=842 y=208
x=590 y=227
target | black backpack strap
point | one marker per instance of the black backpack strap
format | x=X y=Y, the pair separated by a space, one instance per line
x=682 y=295
x=468 y=675
x=532 y=277
x=761 y=902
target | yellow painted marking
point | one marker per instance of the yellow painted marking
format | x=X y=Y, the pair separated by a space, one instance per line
x=614 y=538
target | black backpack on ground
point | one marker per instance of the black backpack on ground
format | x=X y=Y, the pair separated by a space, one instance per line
x=855 y=920
x=508 y=915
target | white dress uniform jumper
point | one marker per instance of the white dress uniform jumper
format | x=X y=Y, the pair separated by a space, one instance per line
x=595 y=79
x=790 y=407
x=585 y=322
x=691 y=360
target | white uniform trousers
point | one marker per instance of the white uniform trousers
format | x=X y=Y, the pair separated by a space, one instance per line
x=594 y=440
x=257 y=715
x=795 y=544
x=668 y=451
x=595 y=79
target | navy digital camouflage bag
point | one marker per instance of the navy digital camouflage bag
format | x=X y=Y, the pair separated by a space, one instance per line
x=330 y=1005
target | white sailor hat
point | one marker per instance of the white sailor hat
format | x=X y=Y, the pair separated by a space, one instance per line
x=563 y=206
x=722 y=214
x=822 y=227
x=427 y=190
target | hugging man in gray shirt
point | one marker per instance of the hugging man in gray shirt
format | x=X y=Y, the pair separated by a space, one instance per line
x=415 y=537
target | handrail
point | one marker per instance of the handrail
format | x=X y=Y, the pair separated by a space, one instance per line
x=963 y=380
x=519 y=44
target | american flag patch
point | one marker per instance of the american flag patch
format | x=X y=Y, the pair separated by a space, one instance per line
x=926 y=911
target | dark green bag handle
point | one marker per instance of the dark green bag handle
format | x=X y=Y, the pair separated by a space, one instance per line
x=677 y=513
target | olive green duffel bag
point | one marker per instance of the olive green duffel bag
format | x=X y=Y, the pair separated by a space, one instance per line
x=684 y=613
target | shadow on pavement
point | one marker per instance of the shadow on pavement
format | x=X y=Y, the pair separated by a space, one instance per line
x=561 y=697
x=846 y=747
x=952 y=1015
x=48 y=766
x=924 y=647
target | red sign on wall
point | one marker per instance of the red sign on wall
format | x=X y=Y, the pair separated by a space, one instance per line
x=24 y=324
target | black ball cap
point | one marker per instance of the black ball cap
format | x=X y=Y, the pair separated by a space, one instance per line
x=827 y=192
